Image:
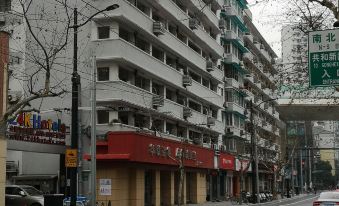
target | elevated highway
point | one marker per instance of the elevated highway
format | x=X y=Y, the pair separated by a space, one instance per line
x=308 y=109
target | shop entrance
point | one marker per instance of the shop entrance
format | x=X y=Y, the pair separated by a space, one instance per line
x=148 y=187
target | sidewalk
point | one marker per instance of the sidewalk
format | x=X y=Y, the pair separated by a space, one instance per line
x=226 y=203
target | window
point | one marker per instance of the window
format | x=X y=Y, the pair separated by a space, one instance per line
x=229 y=119
x=103 y=117
x=123 y=74
x=124 y=34
x=195 y=106
x=103 y=32
x=5 y=5
x=103 y=74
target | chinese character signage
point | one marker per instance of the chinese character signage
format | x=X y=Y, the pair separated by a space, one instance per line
x=323 y=57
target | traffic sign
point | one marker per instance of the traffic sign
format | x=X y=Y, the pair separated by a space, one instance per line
x=323 y=57
x=71 y=158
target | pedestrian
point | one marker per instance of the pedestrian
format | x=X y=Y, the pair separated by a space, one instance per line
x=315 y=190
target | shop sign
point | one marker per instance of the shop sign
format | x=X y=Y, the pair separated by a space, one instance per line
x=32 y=128
x=165 y=151
x=71 y=158
x=105 y=187
x=227 y=162
x=243 y=165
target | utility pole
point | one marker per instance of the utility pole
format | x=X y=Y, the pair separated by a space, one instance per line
x=93 y=135
x=75 y=97
x=301 y=172
x=292 y=177
x=309 y=167
x=75 y=102
x=253 y=153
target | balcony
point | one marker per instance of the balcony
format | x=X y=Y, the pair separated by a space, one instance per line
x=249 y=77
x=249 y=95
x=258 y=85
x=208 y=14
x=201 y=91
x=230 y=82
x=183 y=18
x=127 y=13
x=232 y=131
x=267 y=127
x=230 y=58
x=249 y=37
x=231 y=36
x=231 y=12
x=233 y=107
x=121 y=51
x=126 y=94
x=249 y=56
x=209 y=41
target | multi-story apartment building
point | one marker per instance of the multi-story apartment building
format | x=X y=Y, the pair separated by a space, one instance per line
x=259 y=85
x=175 y=79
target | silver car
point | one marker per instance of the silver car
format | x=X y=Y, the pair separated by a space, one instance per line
x=23 y=195
x=330 y=198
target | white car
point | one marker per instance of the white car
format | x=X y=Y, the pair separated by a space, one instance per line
x=330 y=198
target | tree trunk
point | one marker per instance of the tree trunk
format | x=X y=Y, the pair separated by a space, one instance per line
x=181 y=182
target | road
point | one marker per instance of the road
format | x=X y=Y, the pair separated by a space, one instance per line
x=305 y=201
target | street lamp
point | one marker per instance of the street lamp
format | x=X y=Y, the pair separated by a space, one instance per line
x=75 y=100
x=254 y=153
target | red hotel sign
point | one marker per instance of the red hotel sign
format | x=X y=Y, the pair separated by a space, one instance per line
x=226 y=162
x=150 y=149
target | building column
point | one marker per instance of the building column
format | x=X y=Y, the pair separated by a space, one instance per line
x=4 y=59
x=113 y=72
x=156 y=188
x=137 y=187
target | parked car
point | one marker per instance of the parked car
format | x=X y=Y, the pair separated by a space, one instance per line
x=23 y=195
x=327 y=198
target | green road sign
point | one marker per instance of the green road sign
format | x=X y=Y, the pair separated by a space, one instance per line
x=323 y=57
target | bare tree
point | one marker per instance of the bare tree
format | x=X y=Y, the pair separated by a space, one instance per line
x=47 y=24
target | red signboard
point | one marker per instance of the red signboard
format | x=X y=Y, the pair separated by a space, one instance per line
x=226 y=162
x=146 y=148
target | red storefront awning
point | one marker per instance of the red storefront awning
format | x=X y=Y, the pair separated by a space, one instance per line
x=144 y=148
x=226 y=161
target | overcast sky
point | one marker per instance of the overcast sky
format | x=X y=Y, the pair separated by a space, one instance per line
x=265 y=16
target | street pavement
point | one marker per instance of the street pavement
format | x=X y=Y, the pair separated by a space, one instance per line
x=300 y=200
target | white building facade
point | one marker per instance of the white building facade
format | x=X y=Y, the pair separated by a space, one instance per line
x=174 y=81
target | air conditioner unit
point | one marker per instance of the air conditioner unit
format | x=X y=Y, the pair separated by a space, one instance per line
x=158 y=28
x=158 y=101
x=187 y=81
x=241 y=63
x=222 y=24
x=210 y=121
x=255 y=60
x=193 y=23
x=210 y=65
x=187 y=112
x=262 y=46
x=14 y=96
